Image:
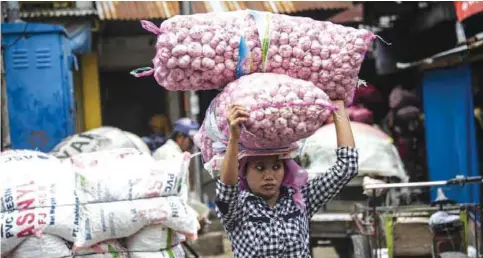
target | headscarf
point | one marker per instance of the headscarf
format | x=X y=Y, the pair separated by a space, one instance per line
x=294 y=177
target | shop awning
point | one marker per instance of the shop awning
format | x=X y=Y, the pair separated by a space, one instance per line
x=137 y=10
x=269 y=6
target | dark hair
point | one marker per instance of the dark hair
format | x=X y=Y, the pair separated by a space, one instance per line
x=177 y=134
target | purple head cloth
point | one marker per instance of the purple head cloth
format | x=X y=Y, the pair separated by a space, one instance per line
x=295 y=177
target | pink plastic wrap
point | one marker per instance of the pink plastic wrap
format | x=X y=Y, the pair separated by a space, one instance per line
x=357 y=114
x=205 y=143
x=207 y=51
x=282 y=111
x=360 y=114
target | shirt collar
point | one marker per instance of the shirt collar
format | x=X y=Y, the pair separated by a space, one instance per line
x=172 y=144
x=285 y=192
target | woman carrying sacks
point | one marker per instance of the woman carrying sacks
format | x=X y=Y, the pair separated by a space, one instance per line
x=265 y=202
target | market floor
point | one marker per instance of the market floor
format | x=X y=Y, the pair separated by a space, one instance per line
x=325 y=252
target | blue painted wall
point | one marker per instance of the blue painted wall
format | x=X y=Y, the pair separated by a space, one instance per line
x=450 y=129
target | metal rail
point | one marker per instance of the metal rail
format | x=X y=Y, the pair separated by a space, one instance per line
x=459 y=180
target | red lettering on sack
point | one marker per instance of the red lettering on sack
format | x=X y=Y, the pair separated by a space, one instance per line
x=29 y=218
x=23 y=205
x=41 y=220
x=26 y=232
x=21 y=193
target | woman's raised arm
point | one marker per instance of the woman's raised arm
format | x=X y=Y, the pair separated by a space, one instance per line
x=343 y=126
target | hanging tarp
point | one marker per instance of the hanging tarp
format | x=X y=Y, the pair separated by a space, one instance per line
x=465 y=9
x=450 y=129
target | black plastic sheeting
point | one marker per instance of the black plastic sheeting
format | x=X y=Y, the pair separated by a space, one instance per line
x=419 y=35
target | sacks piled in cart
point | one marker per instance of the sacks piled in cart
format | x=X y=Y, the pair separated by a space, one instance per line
x=114 y=203
x=285 y=70
x=102 y=138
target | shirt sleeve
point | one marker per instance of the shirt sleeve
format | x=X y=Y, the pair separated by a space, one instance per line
x=227 y=204
x=324 y=187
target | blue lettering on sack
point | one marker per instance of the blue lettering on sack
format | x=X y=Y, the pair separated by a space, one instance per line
x=76 y=216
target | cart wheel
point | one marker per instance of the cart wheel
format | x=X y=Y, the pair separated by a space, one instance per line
x=362 y=249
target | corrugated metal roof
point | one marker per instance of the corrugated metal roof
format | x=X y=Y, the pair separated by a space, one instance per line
x=270 y=6
x=68 y=12
x=354 y=14
x=136 y=10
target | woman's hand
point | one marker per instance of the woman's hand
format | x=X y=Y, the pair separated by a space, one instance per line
x=237 y=114
x=343 y=126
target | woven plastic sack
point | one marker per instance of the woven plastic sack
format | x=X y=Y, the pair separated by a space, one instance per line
x=19 y=225
x=153 y=238
x=18 y=164
x=282 y=111
x=127 y=174
x=37 y=196
x=100 y=222
x=103 y=138
x=108 y=249
x=173 y=252
x=107 y=158
x=207 y=51
x=45 y=246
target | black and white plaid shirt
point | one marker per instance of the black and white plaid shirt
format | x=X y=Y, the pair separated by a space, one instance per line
x=256 y=230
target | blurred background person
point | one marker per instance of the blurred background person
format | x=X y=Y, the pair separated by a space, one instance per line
x=181 y=139
x=160 y=131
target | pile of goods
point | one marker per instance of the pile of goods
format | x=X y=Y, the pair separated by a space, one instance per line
x=285 y=70
x=102 y=138
x=282 y=110
x=207 y=51
x=115 y=203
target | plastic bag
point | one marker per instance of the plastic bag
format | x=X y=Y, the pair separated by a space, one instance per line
x=100 y=222
x=127 y=174
x=377 y=154
x=173 y=252
x=207 y=51
x=153 y=238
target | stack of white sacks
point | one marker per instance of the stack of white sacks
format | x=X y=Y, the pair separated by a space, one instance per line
x=102 y=138
x=115 y=203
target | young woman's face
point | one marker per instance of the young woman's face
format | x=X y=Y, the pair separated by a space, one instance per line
x=265 y=175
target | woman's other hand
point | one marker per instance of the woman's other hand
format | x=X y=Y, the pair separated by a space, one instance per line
x=237 y=114
x=343 y=126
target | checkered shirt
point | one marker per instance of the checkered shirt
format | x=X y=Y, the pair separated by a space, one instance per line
x=256 y=230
